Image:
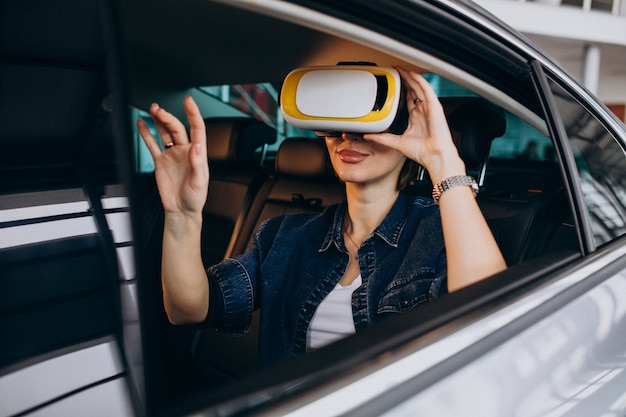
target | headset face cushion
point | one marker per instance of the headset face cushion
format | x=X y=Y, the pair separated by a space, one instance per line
x=343 y=98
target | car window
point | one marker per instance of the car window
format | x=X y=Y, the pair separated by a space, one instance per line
x=523 y=142
x=514 y=189
x=520 y=141
x=601 y=164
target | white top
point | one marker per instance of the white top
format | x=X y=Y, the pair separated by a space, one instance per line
x=333 y=318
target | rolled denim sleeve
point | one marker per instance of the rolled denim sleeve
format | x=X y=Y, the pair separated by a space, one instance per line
x=232 y=298
x=233 y=284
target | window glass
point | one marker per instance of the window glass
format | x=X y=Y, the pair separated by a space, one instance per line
x=520 y=141
x=143 y=159
x=601 y=163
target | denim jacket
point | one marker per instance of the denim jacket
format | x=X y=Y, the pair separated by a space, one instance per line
x=297 y=259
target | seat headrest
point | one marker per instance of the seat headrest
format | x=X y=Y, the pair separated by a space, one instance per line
x=475 y=123
x=304 y=157
x=234 y=139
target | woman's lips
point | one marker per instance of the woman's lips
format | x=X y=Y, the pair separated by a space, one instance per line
x=349 y=155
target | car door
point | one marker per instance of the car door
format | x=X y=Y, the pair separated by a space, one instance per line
x=68 y=313
x=545 y=337
x=559 y=349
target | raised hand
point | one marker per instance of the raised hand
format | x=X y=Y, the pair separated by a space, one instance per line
x=427 y=139
x=182 y=174
x=181 y=170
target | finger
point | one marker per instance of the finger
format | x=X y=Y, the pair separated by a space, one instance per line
x=170 y=128
x=198 y=160
x=197 y=154
x=419 y=88
x=386 y=139
x=427 y=91
x=413 y=99
x=161 y=129
x=199 y=166
x=414 y=88
x=197 y=128
x=148 y=139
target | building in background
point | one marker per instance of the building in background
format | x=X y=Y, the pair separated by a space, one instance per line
x=588 y=37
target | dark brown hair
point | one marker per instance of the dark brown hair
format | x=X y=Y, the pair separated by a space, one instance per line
x=399 y=125
x=408 y=173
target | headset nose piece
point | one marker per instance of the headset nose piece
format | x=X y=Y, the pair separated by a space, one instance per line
x=356 y=137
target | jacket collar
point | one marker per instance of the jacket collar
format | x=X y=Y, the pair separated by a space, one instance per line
x=389 y=230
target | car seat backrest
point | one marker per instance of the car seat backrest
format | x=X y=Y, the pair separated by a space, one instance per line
x=530 y=225
x=236 y=173
x=474 y=123
x=236 y=139
x=303 y=183
x=304 y=158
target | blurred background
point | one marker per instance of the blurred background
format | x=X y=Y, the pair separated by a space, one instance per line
x=587 y=37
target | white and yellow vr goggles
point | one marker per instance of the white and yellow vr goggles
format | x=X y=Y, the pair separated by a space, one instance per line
x=342 y=98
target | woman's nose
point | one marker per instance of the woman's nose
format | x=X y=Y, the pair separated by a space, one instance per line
x=357 y=137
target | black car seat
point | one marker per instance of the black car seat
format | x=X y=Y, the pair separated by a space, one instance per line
x=524 y=224
x=474 y=123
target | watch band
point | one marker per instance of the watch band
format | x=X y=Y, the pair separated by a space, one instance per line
x=452 y=182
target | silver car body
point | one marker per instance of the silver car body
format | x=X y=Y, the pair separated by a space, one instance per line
x=552 y=346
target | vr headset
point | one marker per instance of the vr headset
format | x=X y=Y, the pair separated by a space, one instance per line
x=344 y=98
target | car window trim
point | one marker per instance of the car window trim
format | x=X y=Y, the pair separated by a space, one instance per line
x=566 y=159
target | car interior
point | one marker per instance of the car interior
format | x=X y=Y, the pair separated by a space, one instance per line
x=261 y=168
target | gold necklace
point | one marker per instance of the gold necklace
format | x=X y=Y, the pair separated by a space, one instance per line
x=352 y=240
x=345 y=229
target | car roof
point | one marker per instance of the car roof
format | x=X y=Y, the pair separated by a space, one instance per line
x=255 y=50
x=173 y=44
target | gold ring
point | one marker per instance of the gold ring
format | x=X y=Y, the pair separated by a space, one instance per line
x=169 y=145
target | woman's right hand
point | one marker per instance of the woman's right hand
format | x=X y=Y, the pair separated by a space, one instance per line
x=181 y=170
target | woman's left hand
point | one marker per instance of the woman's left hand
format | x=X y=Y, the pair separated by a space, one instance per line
x=427 y=139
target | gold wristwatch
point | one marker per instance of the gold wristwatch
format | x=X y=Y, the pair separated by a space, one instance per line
x=452 y=182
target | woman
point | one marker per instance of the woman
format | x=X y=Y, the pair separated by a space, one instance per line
x=319 y=278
